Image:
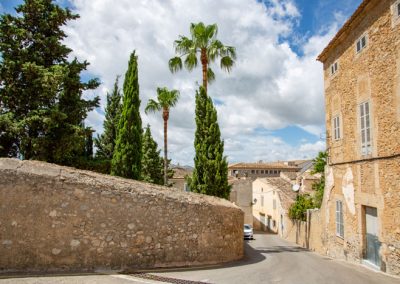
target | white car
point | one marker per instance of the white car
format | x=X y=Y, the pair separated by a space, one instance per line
x=248 y=231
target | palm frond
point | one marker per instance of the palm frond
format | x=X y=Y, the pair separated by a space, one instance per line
x=210 y=75
x=166 y=98
x=191 y=61
x=175 y=64
x=231 y=51
x=227 y=63
x=152 y=106
x=183 y=45
x=214 y=50
x=211 y=31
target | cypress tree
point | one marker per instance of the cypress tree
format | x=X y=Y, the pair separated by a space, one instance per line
x=210 y=175
x=127 y=155
x=105 y=143
x=41 y=104
x=152 y=163
x=89 y=144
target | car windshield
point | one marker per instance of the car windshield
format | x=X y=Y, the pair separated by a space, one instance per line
x=247 y=227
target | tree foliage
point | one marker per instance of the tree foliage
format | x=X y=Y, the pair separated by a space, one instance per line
x=105 y=143
x=127 y=157
x=319 y=167
x=298 y=209
x=305 y=201
x=152 y=163
x=41 y=104
x=165 y=101
x=203 y=42
x=210 y=175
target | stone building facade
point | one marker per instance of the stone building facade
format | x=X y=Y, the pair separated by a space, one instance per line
x=362 y=95
x=241 y=195
x=257 y=170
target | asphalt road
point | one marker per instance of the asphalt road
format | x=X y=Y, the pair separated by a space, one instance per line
x=268 y=259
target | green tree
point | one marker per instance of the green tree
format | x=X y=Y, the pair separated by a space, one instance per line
x=127 y=157
x=105 y=143
x=210 y=175
x=298 y=209
x=41 y=104
x=152 y=163
x=203 y=41
x=319 y=167
x=165 y=101
x=89 y=144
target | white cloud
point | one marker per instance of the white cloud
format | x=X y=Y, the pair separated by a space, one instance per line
x=270 y=86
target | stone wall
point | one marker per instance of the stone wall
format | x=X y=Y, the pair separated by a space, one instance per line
x=308 y=234
x=54 y=218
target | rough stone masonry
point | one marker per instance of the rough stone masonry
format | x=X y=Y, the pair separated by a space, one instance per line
x=59 y=218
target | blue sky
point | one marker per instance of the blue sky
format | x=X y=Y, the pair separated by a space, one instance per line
x=270 y=106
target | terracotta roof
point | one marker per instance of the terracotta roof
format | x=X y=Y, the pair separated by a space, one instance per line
x=261 y=166
x=284 y=189
x=290 y=175
x=349 y=24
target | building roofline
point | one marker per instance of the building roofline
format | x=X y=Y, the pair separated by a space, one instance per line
x=347 y=25
x=273 y=165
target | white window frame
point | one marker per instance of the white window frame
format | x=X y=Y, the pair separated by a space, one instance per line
x=359 y=43
x=365 y=128
x=334 y=68
x=339 y=219
x=336 y=128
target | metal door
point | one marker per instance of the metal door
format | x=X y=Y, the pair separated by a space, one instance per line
x=372 y=242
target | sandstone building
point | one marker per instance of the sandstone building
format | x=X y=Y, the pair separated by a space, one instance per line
x=241 y=195
x=255 y=170
x=362 y=95
x=272 y=198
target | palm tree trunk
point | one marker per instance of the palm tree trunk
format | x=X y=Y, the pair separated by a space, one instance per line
x=204 y=63
x=165 y=117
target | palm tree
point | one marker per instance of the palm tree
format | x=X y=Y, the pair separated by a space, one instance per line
x=165 y=100
x=203 y=40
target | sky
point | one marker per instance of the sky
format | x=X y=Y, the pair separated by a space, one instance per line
x=270 y=106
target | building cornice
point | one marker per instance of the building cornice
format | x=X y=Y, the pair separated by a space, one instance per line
x=347 y=27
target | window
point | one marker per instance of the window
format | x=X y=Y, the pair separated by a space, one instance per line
x=274 y=204
x=273 y=223
x=366 y=145
x=252 y=171
x=256 y=171
x=262 y=171
x=336 y=128
x=334 y=68
x=361 y=43
x=339 y=219
x=262 y=201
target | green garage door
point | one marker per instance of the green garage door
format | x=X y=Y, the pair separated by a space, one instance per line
x=372 y=242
